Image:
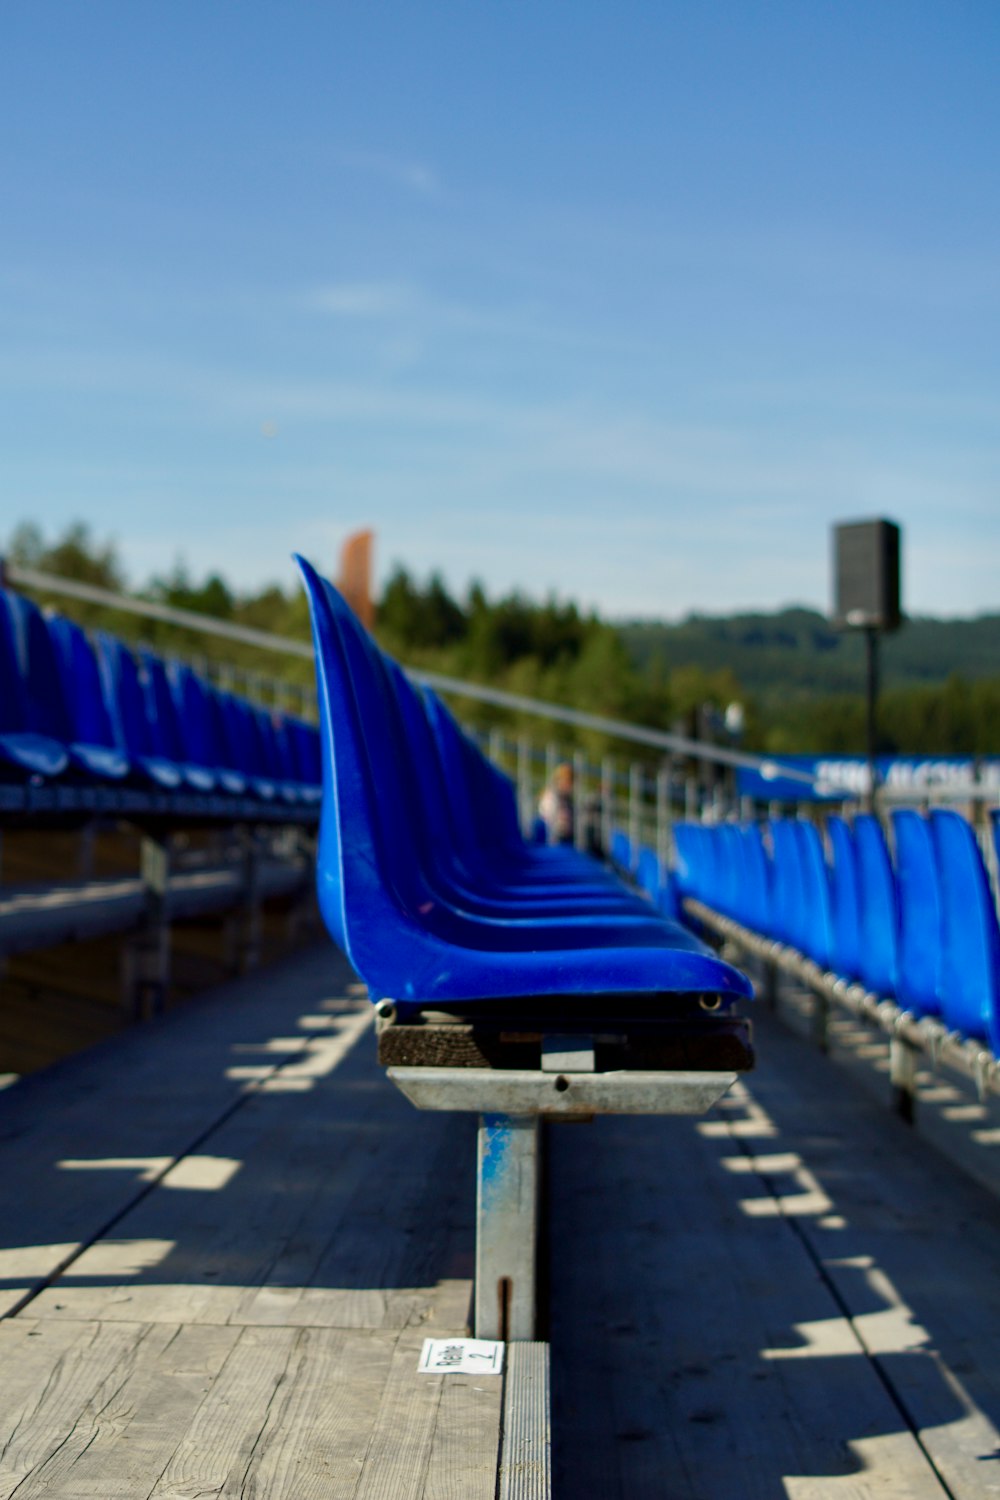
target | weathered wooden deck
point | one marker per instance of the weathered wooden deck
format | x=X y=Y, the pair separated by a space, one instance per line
x=224 y=1236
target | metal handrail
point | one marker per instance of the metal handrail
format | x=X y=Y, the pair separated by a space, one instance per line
x=269 y=641
x=91 y=593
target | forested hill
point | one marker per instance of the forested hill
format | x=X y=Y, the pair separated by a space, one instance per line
x=796 y=651
x=801 y=684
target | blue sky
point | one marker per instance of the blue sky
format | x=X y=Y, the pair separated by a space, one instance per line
x=627 y=301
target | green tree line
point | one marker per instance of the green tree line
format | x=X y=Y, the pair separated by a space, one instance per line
x=677 y=678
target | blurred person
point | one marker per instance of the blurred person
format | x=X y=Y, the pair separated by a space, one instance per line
x=555 y=806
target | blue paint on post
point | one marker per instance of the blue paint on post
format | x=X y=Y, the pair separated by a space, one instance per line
x=496 y=1157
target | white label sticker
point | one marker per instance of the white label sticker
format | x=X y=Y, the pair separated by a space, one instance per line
x=461 y=1357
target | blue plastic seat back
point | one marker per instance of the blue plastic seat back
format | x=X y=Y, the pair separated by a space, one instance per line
x=267 y=740
x=688 y=861
x=13 y=709
x=409 y=841
x=817 y=914
x=305 y=745
x=491 y=796
x=647 y=872
x=42 y=706
x=845 y=899
x=453 y=746
x=417 y=854
x=124 y=698
x=237 y=740
x=879 y=918
x=81 y=683
x=460 y=841
x=920 y=933
x=655 y=879
x=727 y=870
x=23 y=753
x=372 y=889
x=352 y=884
x=788 y=883
x=758 y=896
x=161 y=712
x=283 y=743
x=483 y=798
x=970 y=946
x=621 y=849
x=699 y=869
x=242 y=738
x=193 y=716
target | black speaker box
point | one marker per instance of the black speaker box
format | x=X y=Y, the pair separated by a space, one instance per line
x=866 y=575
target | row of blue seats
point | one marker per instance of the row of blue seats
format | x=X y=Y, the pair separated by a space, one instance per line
x=916 y=923
x=427 y=884
x=82 y=719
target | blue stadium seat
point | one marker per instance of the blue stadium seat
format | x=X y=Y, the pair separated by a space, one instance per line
x=877 y=905
x=394 y=714
x=845 y=904
x=40 y=702
x=126 y=707
x=482 y=815
x=817 y=912
x=970 y=946
x=457 y=850
x=919 y=891
x=788 y=883
x=758 y=893
x=697 y=862
x=167 y=737
x=24 y=754
x=243 y=745
x=199 y=725
x=379 y=900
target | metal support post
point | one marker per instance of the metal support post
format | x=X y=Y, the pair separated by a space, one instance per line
x=820 y=1021
x=85 y=852
x=663 y=829
x=248 y=943
x=525 y=797
x=691 y=799
x=607 y=803
x=581 y=813
x=551 y=761
x=871 y=711
x=147 y=958
x=506 y=1226
x=903 y=1077
x=635 y=808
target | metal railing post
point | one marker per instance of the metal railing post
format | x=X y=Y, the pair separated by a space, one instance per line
x=608 y=792
x=525 y=797
x=580 y=811
x=664 y=839
x=635 y=779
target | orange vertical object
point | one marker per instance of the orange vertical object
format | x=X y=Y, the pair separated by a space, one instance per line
x=355 y=581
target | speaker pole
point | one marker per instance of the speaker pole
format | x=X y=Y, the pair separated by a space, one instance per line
x=871 y=708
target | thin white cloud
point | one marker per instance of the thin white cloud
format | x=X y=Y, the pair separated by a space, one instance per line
x=363 y=299
x=416 y=176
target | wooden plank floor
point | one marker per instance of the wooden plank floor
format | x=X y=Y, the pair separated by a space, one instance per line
x=794 y=1297
x=223 y=1239
x=224 y=1236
